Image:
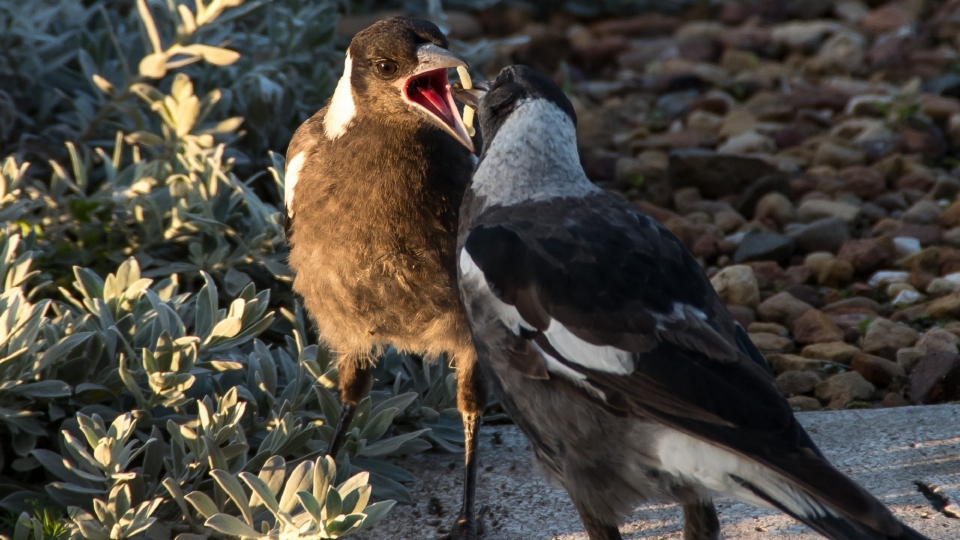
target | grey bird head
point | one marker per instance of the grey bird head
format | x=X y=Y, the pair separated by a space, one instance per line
x=514 y=86
x=397 y=68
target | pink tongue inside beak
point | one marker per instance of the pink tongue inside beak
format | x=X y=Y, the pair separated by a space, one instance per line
x=430 y=92
x=437 y=101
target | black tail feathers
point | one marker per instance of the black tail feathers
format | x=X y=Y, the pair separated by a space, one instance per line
x=836 y=527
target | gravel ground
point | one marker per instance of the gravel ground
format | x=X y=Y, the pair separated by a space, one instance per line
x=886 y=451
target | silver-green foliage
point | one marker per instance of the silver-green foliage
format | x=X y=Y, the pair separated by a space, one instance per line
x=304 y=504
x=128 y=340
x=125 y=343
x=150 y=349
x=73 y=67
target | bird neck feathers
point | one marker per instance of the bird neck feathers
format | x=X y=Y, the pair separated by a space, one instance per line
x=342 y=108
x=533 y=156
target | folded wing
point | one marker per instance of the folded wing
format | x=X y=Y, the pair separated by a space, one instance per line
x=620 y=313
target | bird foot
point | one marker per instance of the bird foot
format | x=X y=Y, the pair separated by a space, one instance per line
x=469 y=528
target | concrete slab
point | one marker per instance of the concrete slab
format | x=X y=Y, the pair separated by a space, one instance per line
x=886 y=450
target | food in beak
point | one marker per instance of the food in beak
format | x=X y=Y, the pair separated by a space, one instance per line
x=468 y=111
x=429 y=90
x=470 y=97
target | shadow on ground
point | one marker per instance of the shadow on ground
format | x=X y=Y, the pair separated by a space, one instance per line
x=886 y=450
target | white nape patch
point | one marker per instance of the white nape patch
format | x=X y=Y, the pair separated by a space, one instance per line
x=599 y=357
x=342 y=108
x=712 y=467
x=532 y=157
x=290 y=179
x=471 y=273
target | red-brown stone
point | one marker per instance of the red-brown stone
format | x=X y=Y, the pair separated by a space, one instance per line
x=863 y=182
x=879 y=371
x=936 y=378
x=866 y=254
x=815 y=326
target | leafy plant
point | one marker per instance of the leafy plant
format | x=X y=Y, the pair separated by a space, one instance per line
x=153 y=358
x=71 y=70
x=43 y=523
x=304 y=504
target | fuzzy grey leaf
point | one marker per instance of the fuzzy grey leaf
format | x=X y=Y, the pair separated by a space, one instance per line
x=231 y=526
x=46 y=389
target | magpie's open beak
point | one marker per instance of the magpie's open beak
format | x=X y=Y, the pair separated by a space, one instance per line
x=429 y=89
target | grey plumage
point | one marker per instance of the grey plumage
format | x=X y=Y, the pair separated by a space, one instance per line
x=374 y=183
x=605 y=342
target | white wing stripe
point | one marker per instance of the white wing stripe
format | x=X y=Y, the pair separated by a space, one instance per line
x=471 y=273
x=597 y=357
x=559 y=368
x=573 y=349
x=290 y=179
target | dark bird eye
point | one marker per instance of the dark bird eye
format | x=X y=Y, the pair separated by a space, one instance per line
x=387 y=68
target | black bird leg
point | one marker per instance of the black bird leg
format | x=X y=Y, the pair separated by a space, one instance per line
x=700 y=521
x=353 y=378
x=340 y=432
x=471 y=400
x=597 y=528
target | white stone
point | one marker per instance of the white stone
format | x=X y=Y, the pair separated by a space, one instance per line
x=886 y=277
x=907 y=298
x=799 y=34
x=748 y=142
x=945 y=285
x=904 y=246
x=737 y=285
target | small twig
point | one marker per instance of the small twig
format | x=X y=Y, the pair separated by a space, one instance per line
x=940 y=502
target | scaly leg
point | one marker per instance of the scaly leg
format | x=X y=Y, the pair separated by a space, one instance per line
x=354 y=382
x=471 y=400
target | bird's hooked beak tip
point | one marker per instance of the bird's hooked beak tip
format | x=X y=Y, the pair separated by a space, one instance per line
x=428 y=89
x=470 y=97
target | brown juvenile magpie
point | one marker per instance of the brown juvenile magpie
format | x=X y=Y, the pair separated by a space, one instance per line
x=373 y=185
x=605 y=342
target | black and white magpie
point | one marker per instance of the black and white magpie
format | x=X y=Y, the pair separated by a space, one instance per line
x=373 y=185
x=605 y=342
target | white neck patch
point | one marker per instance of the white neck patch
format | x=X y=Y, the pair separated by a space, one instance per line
x=290 y=178
x=342 y=108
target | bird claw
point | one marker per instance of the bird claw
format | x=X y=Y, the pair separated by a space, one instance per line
x=467 y=528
